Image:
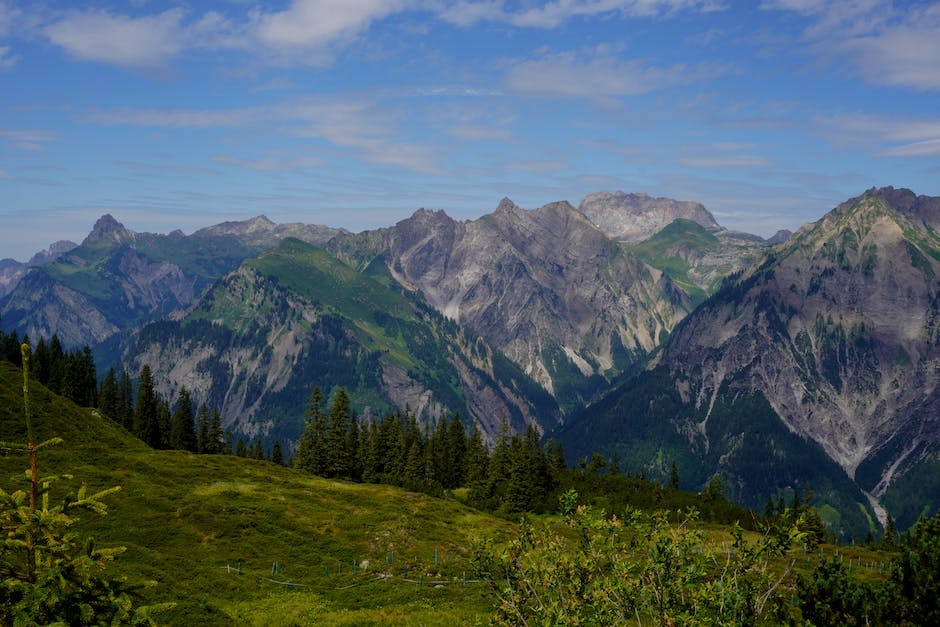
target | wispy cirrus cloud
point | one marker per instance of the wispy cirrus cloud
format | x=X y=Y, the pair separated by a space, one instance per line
x=27 y=139
x=367 y=129
x=305 y=32
x=466 y=13
x=887 y=44
x=891 y=136
x=598 y=74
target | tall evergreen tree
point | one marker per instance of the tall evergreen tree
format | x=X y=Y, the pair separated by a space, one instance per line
x=202 y=429
x=216 y=443
x=476 y=461
x=182 y=429
x=146 y=421
x=127 y=401
x=277 y=454
x=339 y=460
x=163 y=422
x=109 y=397
x=56 y=364
x=311 y=450
x=674 y=476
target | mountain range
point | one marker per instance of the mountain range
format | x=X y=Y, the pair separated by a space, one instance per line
x=630 y=326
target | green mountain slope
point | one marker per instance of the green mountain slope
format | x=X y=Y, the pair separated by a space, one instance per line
x=189 y=521
x=265 y=334
x=835 y=334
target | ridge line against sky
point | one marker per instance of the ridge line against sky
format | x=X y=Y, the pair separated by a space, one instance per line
x=354 y=113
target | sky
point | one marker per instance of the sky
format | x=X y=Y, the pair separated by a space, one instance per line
x=355 y=113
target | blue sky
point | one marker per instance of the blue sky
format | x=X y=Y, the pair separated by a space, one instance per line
x=354 y=113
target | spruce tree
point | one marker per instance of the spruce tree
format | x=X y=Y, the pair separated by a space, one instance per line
x=674 y=476
x=126 y=391
x=216 y=444
x=311 y=450
x=146 y=421
x=202 y=437
x=277 y=455
x=182 y=430
x=338 y=454
x=109 y=397
x=476 y=460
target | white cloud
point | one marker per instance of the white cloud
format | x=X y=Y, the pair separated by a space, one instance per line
x=479 y=132
x=318 y=23
x=27 y=139
x=892 y=136
x=270 y=164
x=726 y=161
x=362 y=127
x=6 y=59
x=597 y=76
x=885 y=44
x=551 y=14
x=135 y=42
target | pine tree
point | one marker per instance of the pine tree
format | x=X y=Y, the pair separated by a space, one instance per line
x=277 y=455
x=109 y=397
x=352 y=448
x=126 y=390
x=216 y=444
x=182 y=430
x=455 y=451
x=338 y=455
x=673 y=476
x=163 y=422
x=311 y=450
x=202 y=438
x=476 y=460
x=146 y=422
x=56 y=364
x=889 y=539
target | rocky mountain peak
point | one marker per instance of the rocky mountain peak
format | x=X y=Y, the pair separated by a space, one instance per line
x=53 y=252
x=507 y=206
x=920 y=209
x=108 y=229
x=634 y=217
x=780 y=236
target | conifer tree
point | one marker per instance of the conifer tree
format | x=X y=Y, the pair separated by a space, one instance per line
x=127 y=401
x=455 y=454
x=202 y=437
x=338 y=454
x=311 y=450
x=109 y=397
x=182 y=430
x=889 y=538
x=163 y=423
x=371 y=471
x=673 y=476
x=146 y=421
x=277 y=455
x=352 y=447
x=216 y=443
x=476 y=460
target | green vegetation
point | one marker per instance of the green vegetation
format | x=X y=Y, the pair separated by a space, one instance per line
x=190 y=522
x=241 y=541
x=670 y=250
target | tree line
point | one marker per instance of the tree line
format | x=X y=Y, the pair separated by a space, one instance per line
x=516 y=476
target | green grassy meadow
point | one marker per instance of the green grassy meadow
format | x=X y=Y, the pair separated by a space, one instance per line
x=209 y=529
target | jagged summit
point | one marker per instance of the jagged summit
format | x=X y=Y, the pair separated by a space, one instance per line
x=923 y=209
x=635 y=217
x=108 y=229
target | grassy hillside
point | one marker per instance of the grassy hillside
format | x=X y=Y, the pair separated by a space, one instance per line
x=185 y=519
x=209 y=529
